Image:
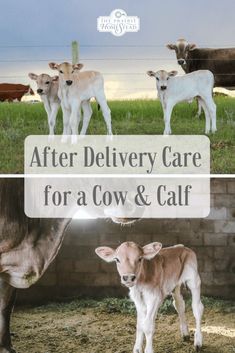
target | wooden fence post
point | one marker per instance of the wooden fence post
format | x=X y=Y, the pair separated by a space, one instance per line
x=75 y=52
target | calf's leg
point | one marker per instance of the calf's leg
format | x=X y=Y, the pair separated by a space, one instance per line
x=52 y=119
x=101 y=99
x=195 y=286
x=87 y=113
x=141 y=313
x=153 y=303
x=75 y=120
x=167 y=119
x=207 y=115
x=179 y=305
x=66 y=127
x=7 y=300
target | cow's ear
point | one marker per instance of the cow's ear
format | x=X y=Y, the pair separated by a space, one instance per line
x=171 y=46
x=151 y=250
x=151 y=73
x=172 y=73
x=78 y=66
x=53 y=66
x=192 y=47
x=105 y=253
x=55 y=78
x=32 y=76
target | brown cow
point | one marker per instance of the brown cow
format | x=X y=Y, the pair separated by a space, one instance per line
x=13 y=91
x=27 y=247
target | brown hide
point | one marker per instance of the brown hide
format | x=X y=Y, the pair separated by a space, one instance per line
x=11 y=91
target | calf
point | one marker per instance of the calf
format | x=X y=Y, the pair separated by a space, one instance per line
x=151 y=273
x=172 y=90
x=75 y=87
x=47 y=88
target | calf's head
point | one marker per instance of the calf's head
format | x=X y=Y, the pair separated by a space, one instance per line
x=43 y=81
x=182 y=49
x=129 y=258
x=66 y=71
x=162 y=78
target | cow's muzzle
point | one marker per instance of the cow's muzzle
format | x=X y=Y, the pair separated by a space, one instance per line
x=181 y=62
x=128 y=280
x=69 y=82
x=163 y=88
x=39 y=91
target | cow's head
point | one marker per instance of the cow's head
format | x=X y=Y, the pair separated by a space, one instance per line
x=66 y=71
x=182 y=49
x=162 y=78
x=43 y=81
x=129 y=258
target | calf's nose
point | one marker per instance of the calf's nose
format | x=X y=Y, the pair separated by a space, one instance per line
x=39 y=90
x=181 y=62
x=133 y=278
x=69 y=82
x=129 y=278
x=163 y=88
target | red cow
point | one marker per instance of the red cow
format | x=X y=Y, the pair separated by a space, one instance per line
x=13 y=91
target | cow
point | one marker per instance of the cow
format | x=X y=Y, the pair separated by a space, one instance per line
x=27 y=247
x=172 y=90
x=75 y=87
x=152 y=273
x=221 y=62
x=13 y=91
x=47 y=88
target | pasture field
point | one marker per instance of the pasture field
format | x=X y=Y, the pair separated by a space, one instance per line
x=18 y=120
x=108 y=326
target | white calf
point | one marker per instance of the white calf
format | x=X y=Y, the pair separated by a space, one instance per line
x=75 y=87
x=151 y=273
x=172 y=90
x=47 y=88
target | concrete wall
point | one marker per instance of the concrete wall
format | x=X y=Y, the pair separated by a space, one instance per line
x=78 y=272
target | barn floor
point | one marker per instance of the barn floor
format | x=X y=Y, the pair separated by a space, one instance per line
x=109 y=327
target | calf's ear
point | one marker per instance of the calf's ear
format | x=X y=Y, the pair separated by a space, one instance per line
x=172 y=73
x=151 y=73
x=171 y=46
x=32 y=76
x=151 y=250
x=78 y=66
x=55 y=78
x=53 y=66
x=192 y=46
x=105 y=253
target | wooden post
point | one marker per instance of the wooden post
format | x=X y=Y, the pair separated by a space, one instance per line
x=75 y=52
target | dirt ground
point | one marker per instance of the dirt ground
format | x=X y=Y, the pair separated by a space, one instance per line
x=75 y=328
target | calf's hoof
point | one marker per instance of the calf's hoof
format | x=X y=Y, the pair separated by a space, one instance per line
x=186 y=338
x=198 y=348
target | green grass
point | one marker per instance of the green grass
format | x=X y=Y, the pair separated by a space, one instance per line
x=18 y=120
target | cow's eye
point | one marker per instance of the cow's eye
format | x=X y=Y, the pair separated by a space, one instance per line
x=140 y=259
x=117 y=260
x=61 y=71
x=157 y=78
x=168 y=78
x=47 y=83
x=72 y=71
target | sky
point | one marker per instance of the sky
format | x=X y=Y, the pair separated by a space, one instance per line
x=33 y=33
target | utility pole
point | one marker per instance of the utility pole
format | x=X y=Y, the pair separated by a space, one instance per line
x=75 y=52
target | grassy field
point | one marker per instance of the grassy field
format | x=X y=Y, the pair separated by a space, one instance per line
x=108 y=326
x=18 y=120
